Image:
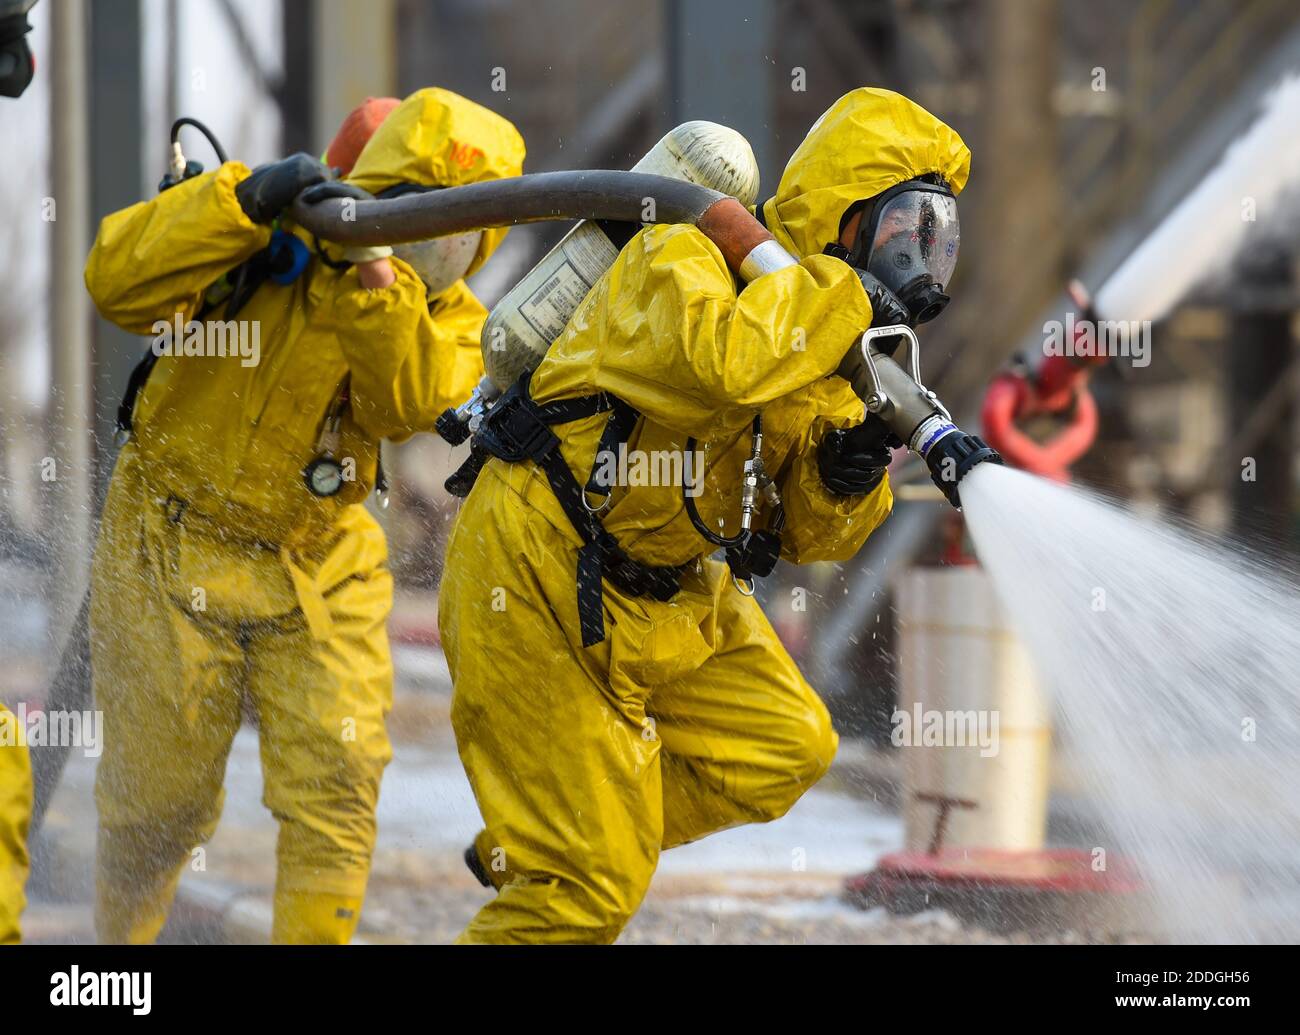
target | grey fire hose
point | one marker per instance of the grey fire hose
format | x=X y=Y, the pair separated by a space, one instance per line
x=625 y=197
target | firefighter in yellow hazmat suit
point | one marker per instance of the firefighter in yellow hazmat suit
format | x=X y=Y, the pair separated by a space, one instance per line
x=665 y=711
x=15 y=813
x=226 y=568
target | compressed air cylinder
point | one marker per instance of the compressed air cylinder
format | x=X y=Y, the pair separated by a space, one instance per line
x=523 y=324
x=973 y=719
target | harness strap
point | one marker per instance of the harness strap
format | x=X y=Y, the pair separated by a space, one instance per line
x=518 y=429
x=622 y=419
x=134 y=385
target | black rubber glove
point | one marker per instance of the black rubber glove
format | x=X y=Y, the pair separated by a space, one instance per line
x=335 y=189
x=270 y=189
x=886 y=309
x=357 y=253
x=853 y=460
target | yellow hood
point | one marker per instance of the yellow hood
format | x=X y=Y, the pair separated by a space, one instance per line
x=440 y=139
x=865 y=143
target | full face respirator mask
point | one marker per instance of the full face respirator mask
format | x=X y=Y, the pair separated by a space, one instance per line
x=908 y=239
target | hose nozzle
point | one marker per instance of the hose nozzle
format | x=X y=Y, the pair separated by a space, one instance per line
x=913 y=412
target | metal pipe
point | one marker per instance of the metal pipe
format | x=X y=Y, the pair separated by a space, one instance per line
x=70 y=366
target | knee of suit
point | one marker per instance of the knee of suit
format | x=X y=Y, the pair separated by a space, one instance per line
x=808 y=747
x=610 y=909
x=326 y=843
x=157 y=845
x=327 y=774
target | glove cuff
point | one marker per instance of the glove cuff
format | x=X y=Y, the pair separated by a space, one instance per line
x=362 y=253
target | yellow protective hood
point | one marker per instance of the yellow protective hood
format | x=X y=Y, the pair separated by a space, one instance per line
x=440 y=139
x=866 y=142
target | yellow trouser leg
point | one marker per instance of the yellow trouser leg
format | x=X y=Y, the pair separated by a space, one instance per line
x=744 y=736
x=566 y=781
x=15 y=813
x=321 y=708
x=168 y=679
x=158 y=785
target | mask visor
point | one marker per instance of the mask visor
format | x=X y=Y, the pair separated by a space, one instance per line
x=911 y=245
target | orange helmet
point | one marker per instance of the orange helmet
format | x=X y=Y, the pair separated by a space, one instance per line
x=356 y=131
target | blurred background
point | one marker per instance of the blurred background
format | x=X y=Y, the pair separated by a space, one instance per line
x=1088 y=122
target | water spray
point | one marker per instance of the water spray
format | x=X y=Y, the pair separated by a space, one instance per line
x=1252 y=182
x=912 y=411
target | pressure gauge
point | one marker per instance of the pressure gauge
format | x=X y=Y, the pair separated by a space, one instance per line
x=324 y=476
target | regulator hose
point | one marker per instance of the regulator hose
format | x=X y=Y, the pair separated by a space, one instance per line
x=213 y=142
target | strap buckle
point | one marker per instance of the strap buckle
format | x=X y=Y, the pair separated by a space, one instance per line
x=513 y=430
x=174 y=508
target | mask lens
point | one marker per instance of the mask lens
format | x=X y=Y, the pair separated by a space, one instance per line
x=915 y=236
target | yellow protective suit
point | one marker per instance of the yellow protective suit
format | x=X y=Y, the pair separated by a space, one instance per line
x=689 y=717
x=15 y=814
x=218 y=577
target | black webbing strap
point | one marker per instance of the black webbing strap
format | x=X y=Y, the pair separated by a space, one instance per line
x=517 y=429
x=622 y=419
x=134 y=385
x=244 y=281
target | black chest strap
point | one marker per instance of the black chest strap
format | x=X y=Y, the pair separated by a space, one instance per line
x=518 y=429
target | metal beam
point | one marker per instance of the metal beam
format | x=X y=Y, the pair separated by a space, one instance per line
x=355 y=58
x=70 y=368
x=719 y=68
x=117 y=131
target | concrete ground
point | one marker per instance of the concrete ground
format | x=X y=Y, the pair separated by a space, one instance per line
x=773 y=883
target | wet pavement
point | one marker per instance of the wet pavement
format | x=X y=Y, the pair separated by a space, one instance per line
x=770 y=883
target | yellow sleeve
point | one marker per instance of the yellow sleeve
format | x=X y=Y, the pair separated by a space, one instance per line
x=820 y=525
x=156 y=258
x=668 y=333
x=408 y=359
x=15 y=814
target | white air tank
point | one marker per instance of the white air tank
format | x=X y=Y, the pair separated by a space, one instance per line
x=523 y=324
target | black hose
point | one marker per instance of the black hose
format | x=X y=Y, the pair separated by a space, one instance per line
x=537 y=197
x=729 y=542
x=185 y=120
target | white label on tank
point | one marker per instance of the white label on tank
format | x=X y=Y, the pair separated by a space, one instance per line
x=590 y=252
x=587 y=254
x=548 y=308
